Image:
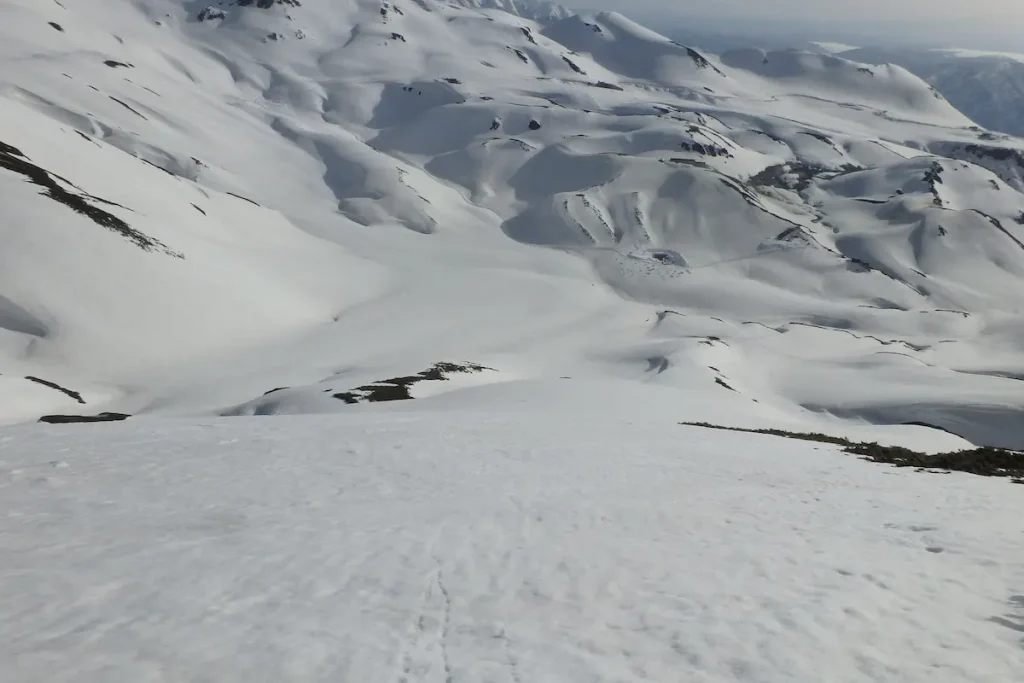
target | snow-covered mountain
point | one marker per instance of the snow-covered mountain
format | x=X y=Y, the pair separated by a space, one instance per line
x=538 y=10
x=392 y=311
x=207 y=201
x=988 y=87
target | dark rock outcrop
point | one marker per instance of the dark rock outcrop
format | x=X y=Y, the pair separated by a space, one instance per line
x=73 y=419
x=12 y=159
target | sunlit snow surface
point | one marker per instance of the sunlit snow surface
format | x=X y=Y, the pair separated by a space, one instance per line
x=558 y=237
x=987 y=86
x=494 y=545
x=340 y=193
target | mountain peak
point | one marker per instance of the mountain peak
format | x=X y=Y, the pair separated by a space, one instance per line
x=541 y=11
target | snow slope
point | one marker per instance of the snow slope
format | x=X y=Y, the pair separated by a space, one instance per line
x=537 y=10
x=455 y=545
x=207 y=202
x=407 y=301
x=987 y=86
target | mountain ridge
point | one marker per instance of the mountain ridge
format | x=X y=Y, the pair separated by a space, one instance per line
x=362 y=191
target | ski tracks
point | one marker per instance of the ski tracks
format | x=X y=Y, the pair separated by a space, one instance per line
x=459 y=629
x=424 y=658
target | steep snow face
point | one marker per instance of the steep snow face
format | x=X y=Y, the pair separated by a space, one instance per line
x=335 y=200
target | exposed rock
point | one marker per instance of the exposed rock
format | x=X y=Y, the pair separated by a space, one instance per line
x=211 y=14
x=985 y=461
x=796 y=176
x=397 y=388
x=128 y=107
x=700 y=60
x=53 y=385
x=933 y=178
x=244 y=199
x=706 y=149
x=71 y=419
x=13 y=160
x=574 y=66
x=520 y=54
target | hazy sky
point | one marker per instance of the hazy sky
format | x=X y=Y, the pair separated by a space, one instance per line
x=900 y=10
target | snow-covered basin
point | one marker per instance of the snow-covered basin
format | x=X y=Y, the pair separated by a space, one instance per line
x=472 y=546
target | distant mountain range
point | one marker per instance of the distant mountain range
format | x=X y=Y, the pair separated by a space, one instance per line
x=988 y=87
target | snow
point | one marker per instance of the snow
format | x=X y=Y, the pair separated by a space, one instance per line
x=985 y=85
x=832 y=48
x=423 y=546
x=563 y=235
x=533 y=196
x=537 y=10
x=968 y=54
